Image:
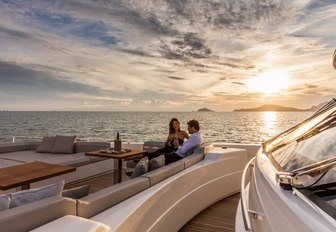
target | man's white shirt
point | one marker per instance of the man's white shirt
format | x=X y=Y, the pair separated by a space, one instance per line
x=194 y=140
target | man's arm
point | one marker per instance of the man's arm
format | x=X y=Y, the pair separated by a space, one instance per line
x=194 y=140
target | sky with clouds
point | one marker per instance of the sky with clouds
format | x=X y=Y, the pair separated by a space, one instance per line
x=165 y=55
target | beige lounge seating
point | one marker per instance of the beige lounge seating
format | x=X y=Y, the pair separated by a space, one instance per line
x=148 y=202
x=32 y=215
x=73 y=223
x=26 y=152
x=99 y=201
x=12 y=154
x=172 y=201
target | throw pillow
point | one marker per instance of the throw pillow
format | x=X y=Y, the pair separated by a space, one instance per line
x=64 y=144
x=27 y=196
x=4 y=202
x=157 y=162
x=78 y=192
x=46 y=144
x=140 y=168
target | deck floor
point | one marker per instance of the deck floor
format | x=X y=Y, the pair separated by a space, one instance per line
x=218 y=217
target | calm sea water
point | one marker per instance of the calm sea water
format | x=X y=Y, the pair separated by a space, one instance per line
x=216 y=127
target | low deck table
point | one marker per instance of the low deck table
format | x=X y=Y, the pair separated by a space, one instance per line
x=25 y=174
x=120 y=157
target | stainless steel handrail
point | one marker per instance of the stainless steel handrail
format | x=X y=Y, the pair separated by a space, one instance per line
x=244 y=206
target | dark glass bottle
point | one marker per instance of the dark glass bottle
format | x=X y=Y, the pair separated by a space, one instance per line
x=117 y=143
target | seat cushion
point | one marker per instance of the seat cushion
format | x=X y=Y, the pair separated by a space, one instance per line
x=46 y=144
x=4 y=202
x=157 y=162
x=164 y=172
x=12 y=147
x=140 y=168
x=99 y=201
x=26 y=196
x=37 y=213
x=64 y=144
x=20 y=157
x=193 y=159
x=78 y=192
x=73 y=223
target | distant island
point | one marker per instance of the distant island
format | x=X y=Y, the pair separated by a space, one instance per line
x=204 y=110
x=270 y=107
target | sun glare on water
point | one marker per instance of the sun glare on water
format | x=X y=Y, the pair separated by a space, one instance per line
x=269 y=82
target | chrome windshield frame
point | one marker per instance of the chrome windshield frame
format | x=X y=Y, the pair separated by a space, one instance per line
x=267 y=145
x=297 y=177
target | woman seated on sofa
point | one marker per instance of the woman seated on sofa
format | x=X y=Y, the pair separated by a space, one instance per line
x=174 y=150
x=175 y=133
x=181 y=151
x=157 y=159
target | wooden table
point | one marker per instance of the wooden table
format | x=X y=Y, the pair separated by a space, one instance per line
x=120 y=157
x=25 y=174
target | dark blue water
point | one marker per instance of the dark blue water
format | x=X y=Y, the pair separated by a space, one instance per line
x=241 y=127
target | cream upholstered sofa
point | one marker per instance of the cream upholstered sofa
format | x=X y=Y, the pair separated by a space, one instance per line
x=36 y=214
x=168 y=197
x=19 y=153
x=108 y=197
x=12 y=154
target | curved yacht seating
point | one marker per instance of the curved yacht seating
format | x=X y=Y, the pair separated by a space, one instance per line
x=162 y=200
x=91 y=205
x=172 y=201
x=12 y=154
x=108 y=197
x=26 y=152
x=72 y=223
x=32 y=215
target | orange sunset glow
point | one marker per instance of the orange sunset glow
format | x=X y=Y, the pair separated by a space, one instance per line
x=165 y=55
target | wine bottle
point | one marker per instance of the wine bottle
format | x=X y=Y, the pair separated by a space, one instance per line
x=117 y=143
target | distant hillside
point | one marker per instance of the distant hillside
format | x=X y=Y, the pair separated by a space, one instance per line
x=271 y=107
x=204 y=110
x=316 y=108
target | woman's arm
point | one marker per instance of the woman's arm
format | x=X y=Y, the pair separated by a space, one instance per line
x=168 y=140
x=185 y=135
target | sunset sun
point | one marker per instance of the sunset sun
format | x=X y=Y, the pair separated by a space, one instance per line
x=269 y=82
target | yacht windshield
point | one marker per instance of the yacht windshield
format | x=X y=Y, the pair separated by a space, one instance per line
x=304 y=147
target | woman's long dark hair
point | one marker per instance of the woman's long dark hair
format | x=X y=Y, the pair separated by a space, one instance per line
x=171 y=128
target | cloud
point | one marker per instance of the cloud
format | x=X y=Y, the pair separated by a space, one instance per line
x=176 y=78
x=309 y=86
x=134 y=51
x=20 y=77
x=238 y=83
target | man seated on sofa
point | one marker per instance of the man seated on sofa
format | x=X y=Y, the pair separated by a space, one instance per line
x=194 y=141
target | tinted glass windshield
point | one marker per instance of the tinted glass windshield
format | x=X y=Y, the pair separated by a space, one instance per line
x=312 y=141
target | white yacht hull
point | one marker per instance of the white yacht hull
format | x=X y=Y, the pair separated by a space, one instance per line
x=271 y=208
